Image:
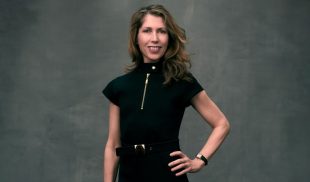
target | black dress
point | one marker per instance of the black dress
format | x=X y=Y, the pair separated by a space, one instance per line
x=150 y=112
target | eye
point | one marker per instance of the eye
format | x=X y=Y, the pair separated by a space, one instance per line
x=162 y=31
x=146 y=30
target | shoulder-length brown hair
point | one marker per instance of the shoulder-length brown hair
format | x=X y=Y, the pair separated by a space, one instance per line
x=176 y=60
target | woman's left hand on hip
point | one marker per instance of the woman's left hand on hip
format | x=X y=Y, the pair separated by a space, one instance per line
x=184 y=164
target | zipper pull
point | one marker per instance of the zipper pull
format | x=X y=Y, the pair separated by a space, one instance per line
x=144 y=91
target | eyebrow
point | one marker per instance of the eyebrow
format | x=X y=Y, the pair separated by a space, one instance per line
x=156 y=28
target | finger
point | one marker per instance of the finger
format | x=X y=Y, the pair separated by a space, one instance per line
x=186 y=170
x=180 y=166
x=177 y=153
x=177 y=162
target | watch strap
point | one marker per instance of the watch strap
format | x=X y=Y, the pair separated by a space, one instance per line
x=203 y=158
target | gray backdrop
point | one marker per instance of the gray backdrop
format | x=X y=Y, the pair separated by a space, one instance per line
x=252 y=57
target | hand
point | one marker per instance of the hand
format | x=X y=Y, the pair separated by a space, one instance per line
x=184 y=163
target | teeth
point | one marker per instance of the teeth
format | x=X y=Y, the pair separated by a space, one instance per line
x=154 y=48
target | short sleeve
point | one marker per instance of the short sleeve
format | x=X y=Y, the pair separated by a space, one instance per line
x=192 y=88
x=111 y=93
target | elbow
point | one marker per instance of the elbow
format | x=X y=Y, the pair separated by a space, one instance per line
x=224 y=126
x=112 y=143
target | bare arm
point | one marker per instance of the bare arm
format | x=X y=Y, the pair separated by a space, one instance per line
x=110 y=158
x=215 y=118
x=220 y=128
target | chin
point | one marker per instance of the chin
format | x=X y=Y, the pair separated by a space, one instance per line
x=154 y=59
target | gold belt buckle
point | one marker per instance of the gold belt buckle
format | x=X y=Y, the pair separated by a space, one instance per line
x=140 y=149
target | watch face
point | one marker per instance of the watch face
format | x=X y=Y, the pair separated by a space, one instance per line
x=201 y=157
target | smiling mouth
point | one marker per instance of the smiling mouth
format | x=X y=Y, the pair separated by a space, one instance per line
x=154 y=49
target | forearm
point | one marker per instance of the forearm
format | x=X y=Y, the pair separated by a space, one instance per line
x=215 y=139
x=110 y=164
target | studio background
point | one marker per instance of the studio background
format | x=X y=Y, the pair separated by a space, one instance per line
x=56 y=56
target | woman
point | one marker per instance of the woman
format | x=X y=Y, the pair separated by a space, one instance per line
x=147 y=105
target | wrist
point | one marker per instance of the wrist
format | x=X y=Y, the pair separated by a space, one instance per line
x=202 y=158
x=199 y=163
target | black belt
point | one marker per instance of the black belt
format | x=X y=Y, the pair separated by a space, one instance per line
x=144 y=149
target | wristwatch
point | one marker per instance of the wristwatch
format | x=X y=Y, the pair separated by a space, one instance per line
x=201 y=157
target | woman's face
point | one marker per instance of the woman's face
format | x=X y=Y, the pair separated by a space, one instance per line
x=152 y=38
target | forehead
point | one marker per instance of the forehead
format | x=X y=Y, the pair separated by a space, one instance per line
x=152 y=21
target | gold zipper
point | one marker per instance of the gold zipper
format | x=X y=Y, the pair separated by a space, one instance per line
x=144 y=91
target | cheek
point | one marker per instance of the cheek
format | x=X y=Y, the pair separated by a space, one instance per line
x=140 y=42
x=138 y=39
x=165 y=40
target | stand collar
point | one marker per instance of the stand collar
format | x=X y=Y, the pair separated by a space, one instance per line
x=151 y=67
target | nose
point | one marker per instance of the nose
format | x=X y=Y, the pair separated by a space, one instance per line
x=154 y=37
